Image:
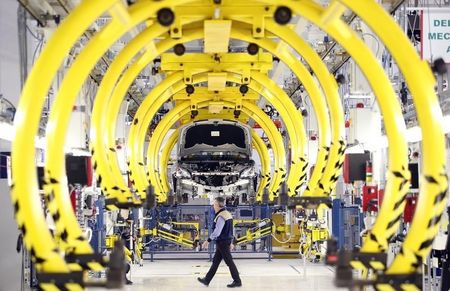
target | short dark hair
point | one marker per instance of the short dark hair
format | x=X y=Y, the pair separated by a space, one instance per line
x=220 y=200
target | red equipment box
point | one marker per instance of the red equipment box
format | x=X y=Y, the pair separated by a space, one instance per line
x=372 y=198
x=410 y=208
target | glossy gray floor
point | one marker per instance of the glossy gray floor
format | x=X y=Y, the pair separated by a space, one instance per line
x=280 y=274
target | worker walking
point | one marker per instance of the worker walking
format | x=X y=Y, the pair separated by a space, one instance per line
x=223 y=235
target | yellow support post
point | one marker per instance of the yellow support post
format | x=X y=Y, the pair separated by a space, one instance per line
x=421 y=82
x=397 y=185
x=166 y=123
x=26 y=200
x=67 y=229
x=316 y=97
x=133 y=71
x=263 y=153
x=258 y=143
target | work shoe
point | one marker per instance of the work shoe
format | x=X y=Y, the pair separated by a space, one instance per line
x=203 y=281
x=234 y=284
x=128 y=282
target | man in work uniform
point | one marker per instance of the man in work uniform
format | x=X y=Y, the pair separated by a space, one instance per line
x=223 y=235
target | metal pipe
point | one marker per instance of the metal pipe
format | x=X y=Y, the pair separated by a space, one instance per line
x=23 y=45
x=29 y=9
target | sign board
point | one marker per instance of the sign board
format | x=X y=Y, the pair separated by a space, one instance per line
x=435 y=27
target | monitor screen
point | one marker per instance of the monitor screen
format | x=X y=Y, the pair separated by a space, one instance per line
x=414 y=169
x=77 y=170
x=41 y=177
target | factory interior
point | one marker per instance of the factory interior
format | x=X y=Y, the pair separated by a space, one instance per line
x=275 y=144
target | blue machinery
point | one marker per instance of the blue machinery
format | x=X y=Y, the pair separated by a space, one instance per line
x=346 y=224
x=248 y=230
x=98 y=226
x=346 y=227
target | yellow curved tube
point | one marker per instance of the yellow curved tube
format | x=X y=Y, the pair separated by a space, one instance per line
x=103 y=141
x=264 y=85
x=183 y=109
x=113 y=97
x=316 y=97
x=263 y=153
x=165 y=156
x=138 y=13
x=335 y=159
x=397 y=185
x=258 y=143
x=421 y=82
x=153 y=103
x=25 y=196
x=135 y=151
x=122 y=20
x=56 y=131
x=116 y=99
x=276 y=141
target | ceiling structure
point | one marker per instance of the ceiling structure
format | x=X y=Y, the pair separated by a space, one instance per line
x=48 y=13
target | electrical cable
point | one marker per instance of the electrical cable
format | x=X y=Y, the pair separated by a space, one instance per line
x=38 y=48
x=279 y=241
x=375 y=38
x=32 y=33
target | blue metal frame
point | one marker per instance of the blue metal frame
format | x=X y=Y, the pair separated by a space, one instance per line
x=98 y=227
x=346 y=224
x=161 y=214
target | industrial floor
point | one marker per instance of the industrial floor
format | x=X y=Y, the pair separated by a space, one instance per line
x=257 y=274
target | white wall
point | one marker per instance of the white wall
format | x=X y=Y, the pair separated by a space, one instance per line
x=9 y=51
x=10 y=260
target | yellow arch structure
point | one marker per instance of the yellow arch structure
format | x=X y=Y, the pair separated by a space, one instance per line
x=26 y=201
x=417 y=74
x=150 y=56
x=182 y=109
x=336 y=152
x=330 y=153
x=421 y=81
x=433 y=192
x=397 y=184
x=258 y=143
x=151 y=102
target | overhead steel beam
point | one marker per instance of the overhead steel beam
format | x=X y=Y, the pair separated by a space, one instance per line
x=35 y=14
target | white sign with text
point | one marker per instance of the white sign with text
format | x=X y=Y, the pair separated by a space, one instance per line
x=435 y=26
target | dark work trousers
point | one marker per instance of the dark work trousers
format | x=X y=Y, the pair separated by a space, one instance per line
x=223 y=252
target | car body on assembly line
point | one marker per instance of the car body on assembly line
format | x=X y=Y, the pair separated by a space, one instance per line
x=215 y=157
